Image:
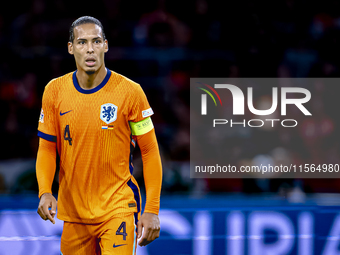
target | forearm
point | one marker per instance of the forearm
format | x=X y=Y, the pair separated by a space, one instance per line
x=152 y=170
x=45 y=165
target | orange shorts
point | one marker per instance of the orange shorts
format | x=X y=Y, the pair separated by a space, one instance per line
x=117 y=235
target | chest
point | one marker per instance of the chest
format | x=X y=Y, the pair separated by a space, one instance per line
x=90 y=114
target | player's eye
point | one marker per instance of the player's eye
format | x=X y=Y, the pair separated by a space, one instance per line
x=81 y=42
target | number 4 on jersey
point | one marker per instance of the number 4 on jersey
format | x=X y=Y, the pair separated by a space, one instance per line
x=67 y=135
x=122 y=230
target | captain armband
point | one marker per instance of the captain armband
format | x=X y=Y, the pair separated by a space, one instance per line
x=141 y=127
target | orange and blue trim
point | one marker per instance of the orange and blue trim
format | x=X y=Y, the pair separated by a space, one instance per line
x=90 y=91
x=47 y=137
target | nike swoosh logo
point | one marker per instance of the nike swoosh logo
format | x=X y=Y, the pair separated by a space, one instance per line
x=63 y=113
x=115 y=246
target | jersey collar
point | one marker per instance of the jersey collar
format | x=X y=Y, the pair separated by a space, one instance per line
x=90 y=91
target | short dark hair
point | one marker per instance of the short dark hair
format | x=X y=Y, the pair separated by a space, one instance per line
x=81 y=21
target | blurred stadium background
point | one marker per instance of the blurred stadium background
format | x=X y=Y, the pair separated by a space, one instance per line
x=161 y=44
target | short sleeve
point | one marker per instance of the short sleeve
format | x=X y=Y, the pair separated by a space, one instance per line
x=140 y=108
x=47 y=119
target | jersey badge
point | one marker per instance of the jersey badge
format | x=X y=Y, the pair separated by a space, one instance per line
x=41 y=118
x=147 y=113
x=108 y=127
x=115 y=246
x=108 y=113
x=63 y=113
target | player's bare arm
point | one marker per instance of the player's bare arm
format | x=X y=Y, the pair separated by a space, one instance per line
x=47 y=201
x=150 y=223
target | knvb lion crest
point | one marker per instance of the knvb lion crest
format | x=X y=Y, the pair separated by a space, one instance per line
x=108 y=113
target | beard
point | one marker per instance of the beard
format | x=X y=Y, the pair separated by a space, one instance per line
x=90 y=72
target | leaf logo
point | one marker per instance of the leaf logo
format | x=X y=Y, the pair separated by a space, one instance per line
x=204 y=98
x=213 y=90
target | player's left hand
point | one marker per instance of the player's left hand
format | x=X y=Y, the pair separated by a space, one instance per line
x=151 y=225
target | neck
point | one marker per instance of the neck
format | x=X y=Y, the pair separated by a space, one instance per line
x=92 y=80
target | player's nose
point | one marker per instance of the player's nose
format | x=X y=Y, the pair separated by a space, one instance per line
x=90 y=48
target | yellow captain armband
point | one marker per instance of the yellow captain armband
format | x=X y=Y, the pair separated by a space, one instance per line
x=141 y=127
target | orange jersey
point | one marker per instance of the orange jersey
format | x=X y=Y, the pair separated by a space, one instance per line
x=94 y=142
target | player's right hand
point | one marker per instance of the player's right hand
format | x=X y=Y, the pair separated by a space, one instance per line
x=47 y=201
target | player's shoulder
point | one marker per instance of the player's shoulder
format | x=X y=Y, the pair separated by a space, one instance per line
x=126 y=82
x=58 y=83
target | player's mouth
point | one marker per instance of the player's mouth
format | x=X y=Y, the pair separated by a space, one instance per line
x=90 y=61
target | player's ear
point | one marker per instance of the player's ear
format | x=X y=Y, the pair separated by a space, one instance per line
x=106 y=46
x=70 y=48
